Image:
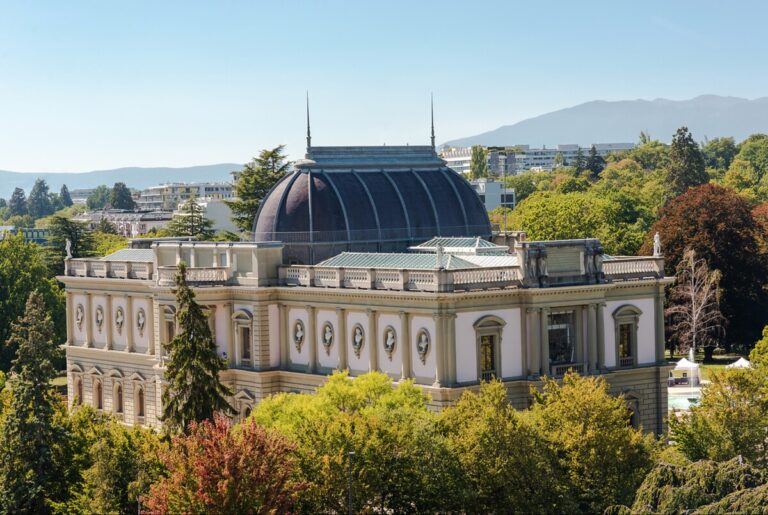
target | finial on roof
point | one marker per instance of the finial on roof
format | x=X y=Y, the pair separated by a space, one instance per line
x=309 y=134
x=432 y=113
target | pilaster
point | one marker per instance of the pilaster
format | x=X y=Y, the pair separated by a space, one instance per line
x=600 y=336
x=311 y=340
x=341 y=338
x=544 y=338
x=592 y=338
x=88 y=320
x=128 y=321
x=405 y=344
x=373 y=340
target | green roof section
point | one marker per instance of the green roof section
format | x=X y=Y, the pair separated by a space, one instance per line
x=395 y=260
x=477 y=242
x=135 y=255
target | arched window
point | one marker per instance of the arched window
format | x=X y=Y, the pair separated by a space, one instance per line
x=118 y=407
x=243 y=321
x=140 y=402
x=488 y=330
x=246 y=412
x=98 y=395
x=78 y=400
x=626 y=319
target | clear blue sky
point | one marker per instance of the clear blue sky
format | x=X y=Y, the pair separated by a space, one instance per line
x=99 y=84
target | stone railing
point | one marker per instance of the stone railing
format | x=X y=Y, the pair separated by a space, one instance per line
x=634 y=268
x=400 y=279
x=560 y=370
x=85 y=267
x=166 y=275
x=626 y=361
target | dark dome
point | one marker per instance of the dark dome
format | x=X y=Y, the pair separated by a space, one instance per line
x=367 y=199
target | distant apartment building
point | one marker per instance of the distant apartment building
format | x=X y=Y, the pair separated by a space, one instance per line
x=79 y=196
x=32 y=235
x=168 y=196
x=520 y=158
x=130 y=224
x=493 y=194
x=460 y=159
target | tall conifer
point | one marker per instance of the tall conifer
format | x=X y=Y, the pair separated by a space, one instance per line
x=28 y=470
x=255 y=181
x=194 y=391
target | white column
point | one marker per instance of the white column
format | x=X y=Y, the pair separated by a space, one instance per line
x=107 y=322
x=88 y=321
x=373 y=340
x=70 y=320
x=312 y=339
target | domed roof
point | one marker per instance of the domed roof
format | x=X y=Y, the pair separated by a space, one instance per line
x=380 y=199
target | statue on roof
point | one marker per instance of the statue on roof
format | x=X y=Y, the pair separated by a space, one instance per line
x=656 y=245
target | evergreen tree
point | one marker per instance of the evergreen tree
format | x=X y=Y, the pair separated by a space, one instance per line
x=66 y=198
x=255 y=181
x=106 y=226
x=28 y=469
x=192 y=370
x=39 y=202
x=595 y=164
x=190 y=220
x=61 y=229
x=120 y=197
x=18 y=203
x=3 y=203
x=686 y=163
x=579 y=163
x=478 y=165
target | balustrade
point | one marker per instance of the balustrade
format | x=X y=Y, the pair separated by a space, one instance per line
x=634 y=268
x=560 y=370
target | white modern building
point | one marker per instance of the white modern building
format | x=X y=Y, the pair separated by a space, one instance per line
x=168 y=196
x=493 y=194
x=130 y=224
x=520 y=158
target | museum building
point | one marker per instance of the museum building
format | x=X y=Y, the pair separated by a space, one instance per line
x=371 y=258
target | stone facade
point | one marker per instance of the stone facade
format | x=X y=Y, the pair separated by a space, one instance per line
x=536 y=308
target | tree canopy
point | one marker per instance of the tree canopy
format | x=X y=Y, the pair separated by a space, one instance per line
x=120 y=197
x=478 y=164
x=99 y=198
x=256 y=180
x=190 y=220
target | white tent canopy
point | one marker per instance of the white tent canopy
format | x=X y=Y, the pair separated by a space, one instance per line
x=741 y=363
x=685 y=364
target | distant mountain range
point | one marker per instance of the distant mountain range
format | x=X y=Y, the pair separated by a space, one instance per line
x=134 y=177
x=707 y=116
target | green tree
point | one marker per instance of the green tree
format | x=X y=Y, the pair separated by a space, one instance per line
x=595 y=164
x=754 y=150
x=120 y=197
x=3 y=203
x=402 y=464
x=651 y=155
x=730 y=420
x=107 y=243
x=719 y=152
x=559 y=160
x=579 y=162
x=256 y=180
x=705 y=487
x=686 y=163
x=66 y=198
x=758 y=356
x=742 y=177
x=123 y=464
x=190 y=220
x=603 y=456
x=106 y=226
x=218 y=469
x=28 y=470
x=23 y=270
x=478 y=165
x=39 y=201
x=99 y=198
x=18 y=203
x=194 y=391
x=499 y=451
x=60 y=230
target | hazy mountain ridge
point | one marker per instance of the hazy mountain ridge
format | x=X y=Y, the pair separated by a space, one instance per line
x=134 y=177
x=600 y=121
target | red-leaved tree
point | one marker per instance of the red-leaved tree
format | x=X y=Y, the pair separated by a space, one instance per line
x=222 y=469
x=716 y=223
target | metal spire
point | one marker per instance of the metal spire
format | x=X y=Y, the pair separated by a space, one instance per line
x=309 y=135
x=432 y=113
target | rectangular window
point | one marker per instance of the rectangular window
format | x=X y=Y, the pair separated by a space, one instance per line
x=562 y=338
x=170 y=330
x=625 y=340
x=245 y=343
x=487 y=357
